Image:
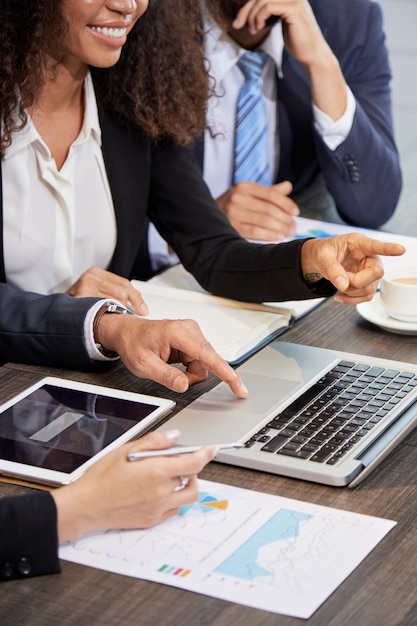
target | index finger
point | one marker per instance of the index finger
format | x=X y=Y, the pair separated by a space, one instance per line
x=213 y=362
x=195 y=347
x=382 y=248
x=221 y=369
x=196 y=373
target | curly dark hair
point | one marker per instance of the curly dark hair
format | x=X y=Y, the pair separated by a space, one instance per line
x=160 y=84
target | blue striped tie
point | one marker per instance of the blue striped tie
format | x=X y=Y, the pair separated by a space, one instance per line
x=251 y=139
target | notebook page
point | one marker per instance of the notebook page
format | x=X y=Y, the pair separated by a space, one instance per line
x=232 y=330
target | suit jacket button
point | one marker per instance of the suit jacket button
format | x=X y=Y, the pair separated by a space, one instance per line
x=7 y=571
x=24 y=566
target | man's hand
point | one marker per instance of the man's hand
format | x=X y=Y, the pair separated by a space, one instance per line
x=349 y=262
x=260 y=213
x=302 y=35
x=99 y=283
x=148 y=347
x=305 y=41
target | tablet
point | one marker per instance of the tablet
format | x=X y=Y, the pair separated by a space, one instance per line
x=54 y=430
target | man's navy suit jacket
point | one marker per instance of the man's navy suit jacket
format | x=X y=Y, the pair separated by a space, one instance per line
x=363 y=174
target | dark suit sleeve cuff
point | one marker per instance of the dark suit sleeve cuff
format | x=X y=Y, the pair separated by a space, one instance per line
x=29 y=536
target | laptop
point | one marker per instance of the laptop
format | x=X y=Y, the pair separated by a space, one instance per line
x=314 y=414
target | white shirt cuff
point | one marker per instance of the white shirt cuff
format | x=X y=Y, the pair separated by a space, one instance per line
x=335 y=133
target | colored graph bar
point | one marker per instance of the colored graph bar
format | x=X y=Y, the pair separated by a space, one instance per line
x=163 y=568
x=175 y=571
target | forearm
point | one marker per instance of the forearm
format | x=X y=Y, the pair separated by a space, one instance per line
x=328 y=86
x=74 y=512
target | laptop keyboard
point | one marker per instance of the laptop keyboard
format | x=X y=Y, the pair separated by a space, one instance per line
x=335 y=413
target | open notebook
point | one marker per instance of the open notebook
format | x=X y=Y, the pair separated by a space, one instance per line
x=321 y=415
x=235 y=329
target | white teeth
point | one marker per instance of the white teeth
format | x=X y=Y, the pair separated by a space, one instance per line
x=115 y=33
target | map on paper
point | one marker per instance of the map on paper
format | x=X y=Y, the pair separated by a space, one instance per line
x=260 y=550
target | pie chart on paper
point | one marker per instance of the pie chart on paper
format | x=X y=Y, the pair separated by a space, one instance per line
x=206 y=504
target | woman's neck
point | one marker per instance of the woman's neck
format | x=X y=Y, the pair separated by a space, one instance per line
x=58 y=112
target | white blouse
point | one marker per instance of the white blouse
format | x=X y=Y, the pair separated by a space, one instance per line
x=56 y=224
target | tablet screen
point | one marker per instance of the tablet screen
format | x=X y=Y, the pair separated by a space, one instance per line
x=60 y=429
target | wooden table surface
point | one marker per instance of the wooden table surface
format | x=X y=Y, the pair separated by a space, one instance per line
x=381 y=591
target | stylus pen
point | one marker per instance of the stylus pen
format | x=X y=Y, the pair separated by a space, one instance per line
x=177 y=450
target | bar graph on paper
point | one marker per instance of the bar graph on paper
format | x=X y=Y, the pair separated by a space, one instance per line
x=256 y=549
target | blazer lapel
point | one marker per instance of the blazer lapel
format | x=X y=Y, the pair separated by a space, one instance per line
x=127 y=160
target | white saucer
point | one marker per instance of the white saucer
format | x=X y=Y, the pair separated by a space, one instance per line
x=374 y=312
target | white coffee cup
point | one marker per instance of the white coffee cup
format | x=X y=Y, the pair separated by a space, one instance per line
x=398 y=291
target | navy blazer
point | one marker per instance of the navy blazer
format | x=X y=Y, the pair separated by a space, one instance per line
x=363 y=174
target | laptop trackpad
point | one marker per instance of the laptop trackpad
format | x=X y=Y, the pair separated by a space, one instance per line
x=274 y=376
x=218 y=416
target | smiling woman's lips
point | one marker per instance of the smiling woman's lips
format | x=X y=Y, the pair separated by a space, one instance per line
x=108 y=31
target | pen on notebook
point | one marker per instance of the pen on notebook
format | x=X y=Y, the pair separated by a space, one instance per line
x=177 y=450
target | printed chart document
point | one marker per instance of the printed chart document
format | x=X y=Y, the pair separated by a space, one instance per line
x=259 y=550
x=235 y=329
